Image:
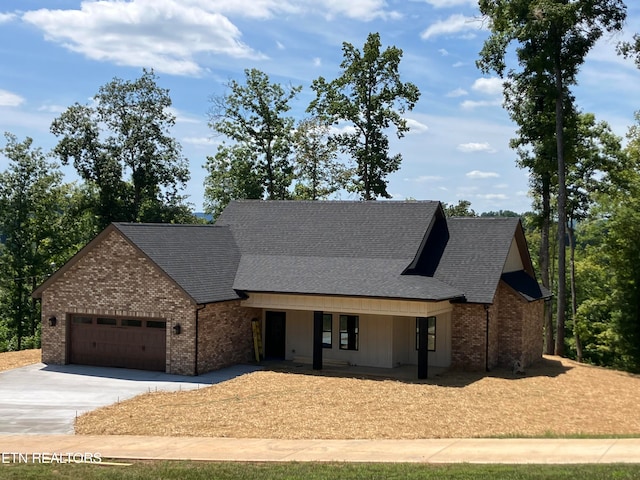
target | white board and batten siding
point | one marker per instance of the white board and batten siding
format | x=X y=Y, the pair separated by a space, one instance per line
x=386 y=328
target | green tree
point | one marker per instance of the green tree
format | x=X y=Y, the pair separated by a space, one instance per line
x=553 y=37
x=367 y=98
x=232 y=175
x=253 y=117
x=461 y=209
x=594 y=161
x=317 y=171
x=41 y=229
x=121 y=145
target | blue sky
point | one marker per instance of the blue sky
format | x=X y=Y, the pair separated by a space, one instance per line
x=57 y=52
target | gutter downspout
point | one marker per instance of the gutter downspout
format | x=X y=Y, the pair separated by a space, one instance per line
x=486 y=353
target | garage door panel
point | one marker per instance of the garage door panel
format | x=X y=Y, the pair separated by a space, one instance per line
x=116 y=342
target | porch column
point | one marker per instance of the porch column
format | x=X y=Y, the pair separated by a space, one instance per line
x=423 y=347
x=317 y=340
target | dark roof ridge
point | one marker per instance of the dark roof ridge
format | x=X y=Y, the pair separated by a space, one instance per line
x=160 y=224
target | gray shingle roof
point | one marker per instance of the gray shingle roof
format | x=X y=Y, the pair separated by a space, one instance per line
x=333 y=248
x=360 y=277
x=329 y=229
x=201 y=259
x=476 y=254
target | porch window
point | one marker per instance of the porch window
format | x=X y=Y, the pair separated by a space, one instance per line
x=348 y=332
x=327 y=324
x=431 y=334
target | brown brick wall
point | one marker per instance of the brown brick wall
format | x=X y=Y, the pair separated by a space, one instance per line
x=468 y=337
x=114 y=278
x=520 y=326
x=515 y=332
x=224 y=335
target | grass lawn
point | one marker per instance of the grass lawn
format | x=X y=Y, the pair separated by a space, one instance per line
x=316 y=471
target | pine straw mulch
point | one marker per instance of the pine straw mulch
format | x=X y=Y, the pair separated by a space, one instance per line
x=557 y=396
x=22 y=358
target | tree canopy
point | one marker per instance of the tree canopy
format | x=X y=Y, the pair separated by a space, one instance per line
x=121 y=146
x=253 y=117
x=365 y=100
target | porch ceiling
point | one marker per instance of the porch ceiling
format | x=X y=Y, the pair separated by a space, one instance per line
x=359 y=305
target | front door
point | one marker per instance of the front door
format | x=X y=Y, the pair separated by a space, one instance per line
x=275 y=335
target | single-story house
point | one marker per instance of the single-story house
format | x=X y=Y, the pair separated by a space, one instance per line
x=379 y=284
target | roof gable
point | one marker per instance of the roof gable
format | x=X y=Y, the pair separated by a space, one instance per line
x=201 y=259
x=476 y=254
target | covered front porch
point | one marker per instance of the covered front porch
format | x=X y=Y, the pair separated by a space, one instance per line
x=338 y=332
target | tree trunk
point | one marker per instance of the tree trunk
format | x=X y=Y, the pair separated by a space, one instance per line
x=545 y=262
x=562 y=208
x=572 y=280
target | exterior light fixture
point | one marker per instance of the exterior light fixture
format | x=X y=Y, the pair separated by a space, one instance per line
x=53 y=321
x=177 y=329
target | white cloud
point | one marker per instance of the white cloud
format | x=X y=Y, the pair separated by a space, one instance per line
x=493 y=196
x=458 y=92
x=471 y=104
x=7 y=17
x=455 y=24
x=364 y=10
x=8 y=99
x=340 y=129
x=477 y=174
x=458 y=65
x=163 y=34
x=51 y=108
x=488 y=86
x=425 y=179
x=443 y=52
x=317 y=62
x=475 y=147
x=280 y=45
x=200 y=141
x=451 y=3
x=415 y=126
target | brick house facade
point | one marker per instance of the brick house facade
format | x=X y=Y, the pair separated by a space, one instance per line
x=181 y=298
x=101 y=283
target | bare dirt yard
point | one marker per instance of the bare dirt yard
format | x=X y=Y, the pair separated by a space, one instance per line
x=555 y=397
x=9 y=360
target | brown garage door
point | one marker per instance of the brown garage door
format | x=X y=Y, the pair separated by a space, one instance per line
x=118 y=342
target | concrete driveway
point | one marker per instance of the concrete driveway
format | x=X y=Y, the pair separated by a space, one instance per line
x=45 y=399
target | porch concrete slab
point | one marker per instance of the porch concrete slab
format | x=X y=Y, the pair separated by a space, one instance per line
x=45 y=399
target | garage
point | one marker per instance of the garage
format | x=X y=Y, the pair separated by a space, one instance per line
x=118 y=342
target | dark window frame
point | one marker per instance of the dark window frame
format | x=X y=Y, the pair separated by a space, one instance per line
x=431 y=336
x=325 y=330
x=349 y=326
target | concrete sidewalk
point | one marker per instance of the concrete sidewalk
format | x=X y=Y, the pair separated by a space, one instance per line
x=507 y=451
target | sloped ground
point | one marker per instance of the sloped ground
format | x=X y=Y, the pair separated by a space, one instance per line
x=9 y=360
x=557 y=396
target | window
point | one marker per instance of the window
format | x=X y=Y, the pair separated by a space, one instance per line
x=156 y=324
x=129 y=322
x=431 y=333
x=106 y=321
x=348 y=332
x=327 y=321
x=83 y=320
